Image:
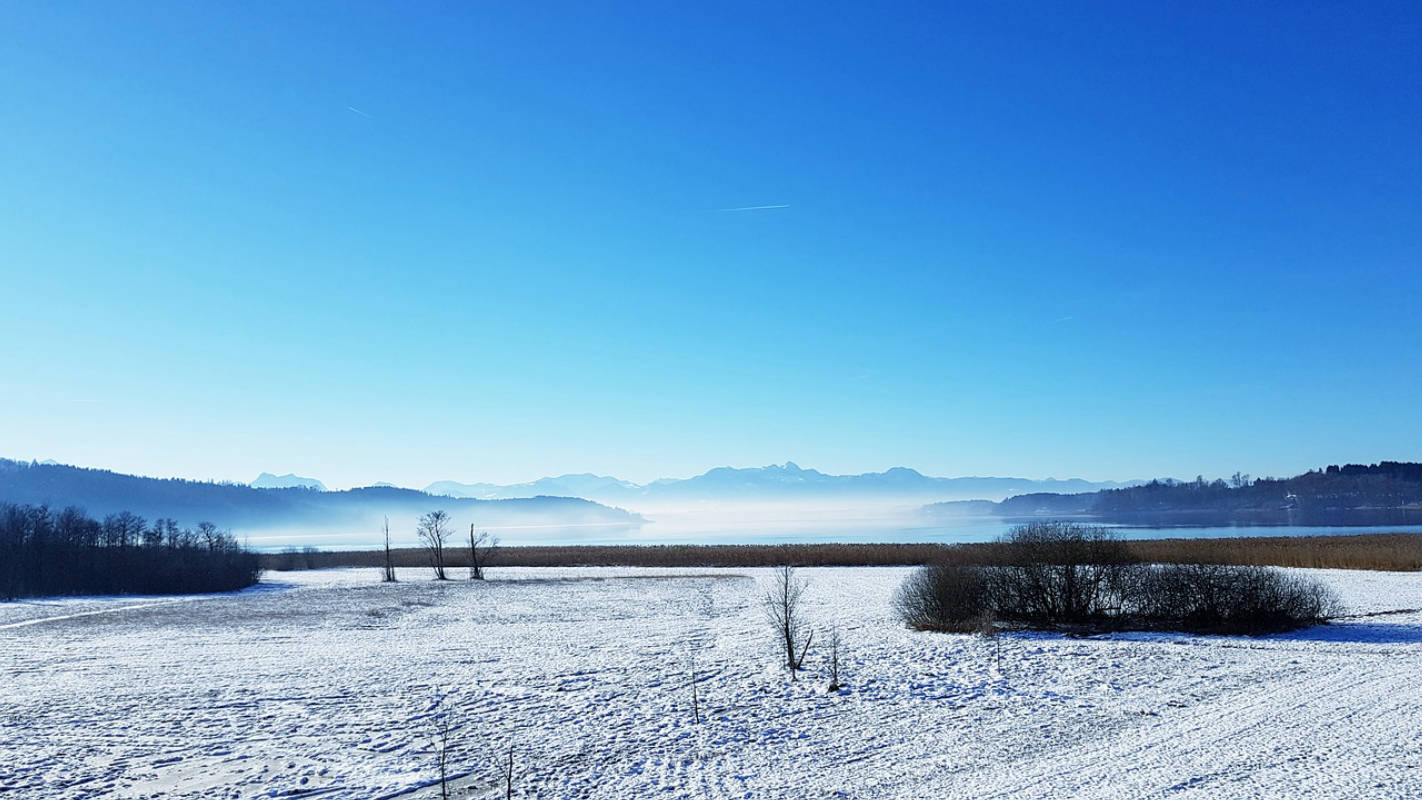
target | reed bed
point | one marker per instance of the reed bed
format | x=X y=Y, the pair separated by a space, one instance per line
x=1383 y=551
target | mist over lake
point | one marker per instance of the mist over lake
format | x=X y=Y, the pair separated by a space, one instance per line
x=712 y=529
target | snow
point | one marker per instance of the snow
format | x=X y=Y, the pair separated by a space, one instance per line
x=327 y=684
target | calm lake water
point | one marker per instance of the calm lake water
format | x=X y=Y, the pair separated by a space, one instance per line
x=691 y=531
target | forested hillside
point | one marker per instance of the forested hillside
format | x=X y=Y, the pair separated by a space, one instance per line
x=1385 y=493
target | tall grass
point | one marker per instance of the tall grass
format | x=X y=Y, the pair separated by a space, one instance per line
x=1401 y=552
x=1388 y=551
x=681 y=555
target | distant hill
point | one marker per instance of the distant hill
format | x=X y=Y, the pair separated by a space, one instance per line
x=1385 y=493
x=244 y=508
x=774 y=483
x=269 y=481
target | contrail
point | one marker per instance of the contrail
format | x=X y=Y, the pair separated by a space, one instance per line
x=755 y=208
x=355 y=110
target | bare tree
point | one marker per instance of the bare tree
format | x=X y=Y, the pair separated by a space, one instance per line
x=209 y=534
x=834 y=648
x=785 y=613
x=481 y=547
x=434 y=531
x=389 y=576
x=123 y=530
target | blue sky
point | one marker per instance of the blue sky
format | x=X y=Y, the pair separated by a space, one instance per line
x=409 y=242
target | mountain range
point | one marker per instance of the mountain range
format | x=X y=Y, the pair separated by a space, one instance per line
x=288 y=481
x=775 y=483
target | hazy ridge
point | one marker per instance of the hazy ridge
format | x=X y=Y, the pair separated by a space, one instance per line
x=773 y=483
x=245 y=508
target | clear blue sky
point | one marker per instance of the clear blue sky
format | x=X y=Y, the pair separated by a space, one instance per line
x=416 y=241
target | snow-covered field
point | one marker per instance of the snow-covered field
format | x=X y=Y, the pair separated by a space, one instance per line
x=326 y=684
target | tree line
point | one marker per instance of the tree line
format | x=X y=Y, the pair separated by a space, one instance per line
x=1352 y=486
x=66 y=552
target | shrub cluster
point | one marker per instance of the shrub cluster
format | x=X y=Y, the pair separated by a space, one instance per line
x=1060 y=575
x=43 y=552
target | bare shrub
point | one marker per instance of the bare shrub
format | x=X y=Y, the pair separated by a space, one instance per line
x=1055 y=572
x=695 y=694
x=943 y=598
x=442 y=742
x=1231 y=599
x=835 y=645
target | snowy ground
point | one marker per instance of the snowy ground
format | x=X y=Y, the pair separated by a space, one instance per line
x=325 y=684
